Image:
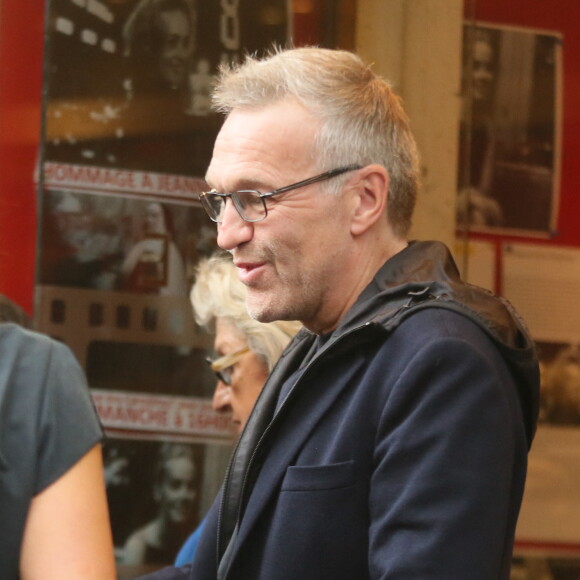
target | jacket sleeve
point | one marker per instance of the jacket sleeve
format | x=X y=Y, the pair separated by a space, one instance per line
x=450 y=464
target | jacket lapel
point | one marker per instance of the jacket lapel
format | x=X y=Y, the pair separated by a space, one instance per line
x=292 y=427
x=261 y=416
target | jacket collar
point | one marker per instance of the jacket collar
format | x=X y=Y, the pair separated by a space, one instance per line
x=425 y=273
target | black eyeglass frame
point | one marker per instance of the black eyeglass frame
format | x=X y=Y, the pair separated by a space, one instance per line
x=204 y=196
x=222 y=366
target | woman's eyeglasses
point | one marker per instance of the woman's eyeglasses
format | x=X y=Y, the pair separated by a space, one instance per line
x=222 y=367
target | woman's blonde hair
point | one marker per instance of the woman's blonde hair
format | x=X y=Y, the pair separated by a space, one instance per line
x=218 y=293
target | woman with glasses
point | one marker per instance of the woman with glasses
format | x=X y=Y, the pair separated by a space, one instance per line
x=246 y=350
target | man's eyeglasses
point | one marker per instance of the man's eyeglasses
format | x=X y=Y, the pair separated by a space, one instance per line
x=251 y=203
x=222 y=367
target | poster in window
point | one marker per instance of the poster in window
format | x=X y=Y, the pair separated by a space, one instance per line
x=129 y=82
x=509 y=163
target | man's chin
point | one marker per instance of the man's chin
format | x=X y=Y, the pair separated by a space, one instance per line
x=261 y=314
x=257 y=304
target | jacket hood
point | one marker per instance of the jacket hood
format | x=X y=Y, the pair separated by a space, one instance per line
x=424 y=275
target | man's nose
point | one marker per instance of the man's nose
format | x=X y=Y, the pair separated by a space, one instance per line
x=221 y=401
x=233 y=231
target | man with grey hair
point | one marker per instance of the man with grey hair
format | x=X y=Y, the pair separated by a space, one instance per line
x=390 y=441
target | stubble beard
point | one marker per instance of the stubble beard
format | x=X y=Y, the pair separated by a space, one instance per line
x=292 y=296
x=286 y=300
x=269 y=305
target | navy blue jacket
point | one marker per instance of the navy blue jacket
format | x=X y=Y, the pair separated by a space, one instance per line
x=400 y=452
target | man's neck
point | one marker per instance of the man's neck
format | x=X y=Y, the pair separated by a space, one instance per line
x=359 y=271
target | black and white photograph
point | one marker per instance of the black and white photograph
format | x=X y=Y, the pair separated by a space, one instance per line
x=560 y=393
x=118 y=243
x=509 y=139
x=129 y=82
x=154 y=490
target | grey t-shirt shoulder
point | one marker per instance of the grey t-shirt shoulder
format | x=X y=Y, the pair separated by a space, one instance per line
x=47 y=423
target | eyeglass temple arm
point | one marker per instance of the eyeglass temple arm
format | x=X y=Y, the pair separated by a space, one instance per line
x=228 y=360
x=322 y=177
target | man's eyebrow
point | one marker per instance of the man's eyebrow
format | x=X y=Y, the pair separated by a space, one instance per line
x=246 y=183
x=250 y=183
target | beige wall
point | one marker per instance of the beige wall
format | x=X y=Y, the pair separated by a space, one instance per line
x=416 y=44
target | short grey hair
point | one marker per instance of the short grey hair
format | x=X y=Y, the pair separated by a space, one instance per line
x=218 y=293
x=363 y=121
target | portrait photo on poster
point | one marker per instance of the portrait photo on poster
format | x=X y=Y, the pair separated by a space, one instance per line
x=154 y=490
x=509 y=142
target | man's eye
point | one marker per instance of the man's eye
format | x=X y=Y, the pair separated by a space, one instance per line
x=249 y=199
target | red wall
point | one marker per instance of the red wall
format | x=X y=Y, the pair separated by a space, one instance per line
x=21 y=41
x=561 y=16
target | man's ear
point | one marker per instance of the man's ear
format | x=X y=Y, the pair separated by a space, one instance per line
x=371 y=198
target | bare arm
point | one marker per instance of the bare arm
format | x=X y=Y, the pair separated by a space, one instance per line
x=68 y=534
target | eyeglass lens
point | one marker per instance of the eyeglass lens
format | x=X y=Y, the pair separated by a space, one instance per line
x=224 y=375
x=248 y=203
x=222 y=367
x=213 y=205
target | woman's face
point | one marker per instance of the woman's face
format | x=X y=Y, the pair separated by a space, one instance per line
x=248 y=375
x=176 y=491
x=482 y=70
x=154 y=219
